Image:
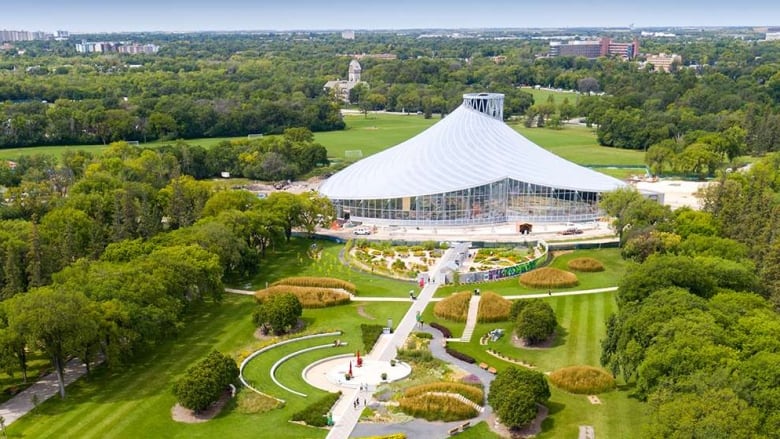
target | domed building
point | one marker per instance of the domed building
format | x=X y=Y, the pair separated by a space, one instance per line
x=469 y=168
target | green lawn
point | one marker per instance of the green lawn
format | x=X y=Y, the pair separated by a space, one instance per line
x=541 y=96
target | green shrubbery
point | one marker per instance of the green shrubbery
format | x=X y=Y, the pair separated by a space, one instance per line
x=583 y=379
x=320 y=282
x=277 y=312
x=585 y=264
x=514 y=395
x=205 y=382
x=316 y=413
x=493 y=308
x=455 y=307
x=535 y=321
x=549 y=277
x=472 y=393
x=370 y=334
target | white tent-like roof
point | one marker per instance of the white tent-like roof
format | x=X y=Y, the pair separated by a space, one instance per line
x=466 y=149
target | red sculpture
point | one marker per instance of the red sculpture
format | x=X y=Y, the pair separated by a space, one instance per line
x=359 y=360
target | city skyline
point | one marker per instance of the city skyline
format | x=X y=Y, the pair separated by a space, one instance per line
x=92 y=16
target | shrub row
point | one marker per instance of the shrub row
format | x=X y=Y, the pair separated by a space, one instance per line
x=370 y=335
x=425 y=335
x=549 y=277
x=415 y=355
x=310 y=297
x=445 y=331
x=455 y=307
x=493 y=308
x=321 y=282
x=460 y=355
x=472 y=393
x=585 y=264
x=583 y=379
x=316 y=413
x=437 y=408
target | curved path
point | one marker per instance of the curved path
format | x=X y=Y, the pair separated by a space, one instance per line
x=295 y=354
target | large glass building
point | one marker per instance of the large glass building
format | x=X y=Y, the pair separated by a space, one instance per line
x=469 y=168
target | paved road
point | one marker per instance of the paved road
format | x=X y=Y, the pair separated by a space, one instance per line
x=43 y=389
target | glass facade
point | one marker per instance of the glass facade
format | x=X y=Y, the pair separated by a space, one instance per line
x=502 y=201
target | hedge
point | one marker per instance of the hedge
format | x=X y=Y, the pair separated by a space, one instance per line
x=370 y=335
x=316 y=413
x=443 y=329
x=320 y=282
x=460 y=355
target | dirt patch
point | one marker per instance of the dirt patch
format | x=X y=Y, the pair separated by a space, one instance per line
x=523 y=343
x=361 y=310
x=594 y=399
x=530 y=430
x=187 y=416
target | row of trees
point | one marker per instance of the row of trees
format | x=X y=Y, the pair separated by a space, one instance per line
x=697 y=320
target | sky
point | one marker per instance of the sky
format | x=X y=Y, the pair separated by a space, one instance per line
x=88 y=16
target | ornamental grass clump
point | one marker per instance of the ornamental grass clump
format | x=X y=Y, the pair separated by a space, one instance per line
x=437 y=408
x=470 y=392
x=586 y=380
x=493 y=308
x=310 y=297
x=321 y=282
x=455 y=307
x=549 y=277
x=585 y=264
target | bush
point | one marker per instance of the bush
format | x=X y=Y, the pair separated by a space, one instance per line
x=316 y=413
x=549 y=277
x=205 y=382
x=278 y=312
x=399 y=265
x=424 y=335
x=585 y=264
x=586 y=380
x=514 y=395
x=310 y=297
x=445 y=332
x=370 y=334
x=536 y=321
x=419 y=356
x=320 y=282
x=493 y=308
x=460 y=355
x=472 y=393
x=437 y=408
x=455 y=307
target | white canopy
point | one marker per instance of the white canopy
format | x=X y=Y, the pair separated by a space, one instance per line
x=466 y=149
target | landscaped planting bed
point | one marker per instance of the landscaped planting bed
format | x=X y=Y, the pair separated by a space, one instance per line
x=586 y=380
x=321 y=282
x=549 y=277
x=455 y=307
x=493 y=308
x=310 y=297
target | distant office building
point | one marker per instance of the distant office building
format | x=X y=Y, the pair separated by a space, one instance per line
x=23 y=35
x=592 y=49
x=772 y=34
x=110 y=46
x=662 y=61
x=348 y=35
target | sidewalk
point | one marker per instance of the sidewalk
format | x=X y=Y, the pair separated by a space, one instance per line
x=43 y=389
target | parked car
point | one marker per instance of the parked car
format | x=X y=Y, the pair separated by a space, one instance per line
x=362 y=231
x=571 y=231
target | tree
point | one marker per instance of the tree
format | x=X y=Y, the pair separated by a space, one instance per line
x=278 y=312
x=588 y=85
x=205 y=382
x=536 y=321
x=515 y=393
x=54 y=321
x=632 y=210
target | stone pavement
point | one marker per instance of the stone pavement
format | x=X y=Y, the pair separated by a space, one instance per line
x=43 y=389
x=471 y=319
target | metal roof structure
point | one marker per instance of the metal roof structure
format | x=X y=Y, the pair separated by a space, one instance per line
x=467 y=148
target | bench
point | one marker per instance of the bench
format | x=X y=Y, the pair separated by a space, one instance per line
x=453 y=431
x=483 y=366
x=465 y=425
x=492 y=370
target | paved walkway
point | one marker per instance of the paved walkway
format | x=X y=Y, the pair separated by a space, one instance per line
x=471 y=319
x=43 y=389
x=563 y=293
x=345 y=414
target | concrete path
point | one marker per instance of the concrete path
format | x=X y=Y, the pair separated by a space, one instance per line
x=562 y=293
x=43 y=389
x=471 y=319
x=236 y=291
x=345 y=414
